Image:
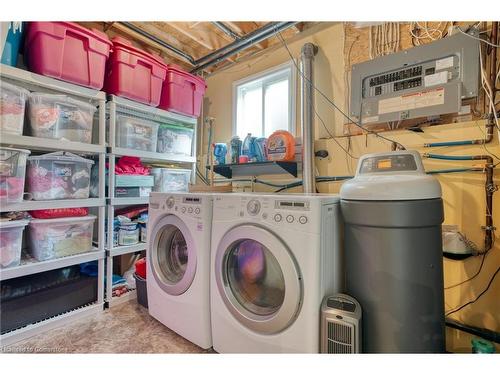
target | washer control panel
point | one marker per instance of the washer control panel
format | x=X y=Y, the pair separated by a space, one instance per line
x=186 y=206
x=253 y=207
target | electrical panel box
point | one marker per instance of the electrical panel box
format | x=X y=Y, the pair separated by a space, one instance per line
x=427 y=80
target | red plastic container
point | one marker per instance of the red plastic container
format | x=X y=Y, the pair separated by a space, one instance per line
x=140 y=267
x=67 y=51
x=182 y=92
x=59 y=212
x=134 y=74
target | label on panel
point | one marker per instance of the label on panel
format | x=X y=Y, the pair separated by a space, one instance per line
x=412 y=101
x=444 y=63
x=436 y=78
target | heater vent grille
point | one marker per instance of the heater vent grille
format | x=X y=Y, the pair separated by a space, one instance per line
x=340 y=338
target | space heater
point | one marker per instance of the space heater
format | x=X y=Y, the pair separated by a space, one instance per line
x=340 y=325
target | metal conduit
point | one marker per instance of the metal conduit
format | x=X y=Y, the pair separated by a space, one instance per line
x=307 y=109
x=245 y=42
x=240 y=43
x=159 y=41
x=227 y=30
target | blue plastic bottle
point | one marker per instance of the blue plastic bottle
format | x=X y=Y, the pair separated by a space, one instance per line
x=248 y=147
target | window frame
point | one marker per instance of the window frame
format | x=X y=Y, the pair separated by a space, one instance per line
x=274 y=75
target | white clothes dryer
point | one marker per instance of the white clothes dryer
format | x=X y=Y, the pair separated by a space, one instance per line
x=274 y=258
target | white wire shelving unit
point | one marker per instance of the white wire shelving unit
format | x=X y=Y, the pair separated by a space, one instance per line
x=97 y=150
x=121 y=106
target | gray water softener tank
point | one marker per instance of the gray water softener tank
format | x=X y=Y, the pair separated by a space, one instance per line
x=392 y=214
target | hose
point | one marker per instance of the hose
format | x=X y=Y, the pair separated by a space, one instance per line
x=449 y=157
x=455 y=143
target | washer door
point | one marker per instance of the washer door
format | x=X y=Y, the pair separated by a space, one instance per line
x=258 y=279
x=172 y=255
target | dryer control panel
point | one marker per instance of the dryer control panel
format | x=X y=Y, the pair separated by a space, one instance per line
x=289 y=212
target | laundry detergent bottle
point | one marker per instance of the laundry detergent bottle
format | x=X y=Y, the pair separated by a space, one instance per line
x=281 y=146
x=248 y=147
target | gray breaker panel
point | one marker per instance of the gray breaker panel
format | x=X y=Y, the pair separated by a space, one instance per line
x=463 y=79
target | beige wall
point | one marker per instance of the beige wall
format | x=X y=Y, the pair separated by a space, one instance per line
x=463 y=193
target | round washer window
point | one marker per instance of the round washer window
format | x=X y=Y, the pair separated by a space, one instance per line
x=172 y=254
x=255 y=277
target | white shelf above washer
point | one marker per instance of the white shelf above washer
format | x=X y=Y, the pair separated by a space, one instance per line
x=43 y=205
x=47 y=144
x=154 y=156
x=121 y=250
x=129 y=201
x=32 y=266
x=35 y=82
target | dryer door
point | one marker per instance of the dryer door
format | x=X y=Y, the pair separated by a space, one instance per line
x=172 y=255
x=258 y=279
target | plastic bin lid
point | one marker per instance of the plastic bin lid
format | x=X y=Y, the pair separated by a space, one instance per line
x=62 y=156
x=391 y=176
x=13 y=224
x=175 y=126
x=5 y=86
x=95 y=33
x=118 y=41
x=15 y=150
x=161 y=169
x=179 y=70
x=64 y=99
x=98 y=34
x=68 y=220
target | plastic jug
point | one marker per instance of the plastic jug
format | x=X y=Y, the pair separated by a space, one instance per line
x=220 y=151
x=248 y=147
x=235 y=147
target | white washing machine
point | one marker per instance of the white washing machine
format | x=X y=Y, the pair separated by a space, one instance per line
x=178 y=263
x=274 y=258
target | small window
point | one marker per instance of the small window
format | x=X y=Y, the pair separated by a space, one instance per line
x=264 y=103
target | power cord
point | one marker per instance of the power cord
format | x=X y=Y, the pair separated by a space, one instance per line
x=477 y=298
x=280 y=37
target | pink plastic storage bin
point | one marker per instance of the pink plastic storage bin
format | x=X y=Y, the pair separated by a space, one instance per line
x=67 y=51
x=134 y=74
x=182 y=92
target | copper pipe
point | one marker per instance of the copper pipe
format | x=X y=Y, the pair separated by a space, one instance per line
x=489 y=132
x=490 y=188
x=493 y=51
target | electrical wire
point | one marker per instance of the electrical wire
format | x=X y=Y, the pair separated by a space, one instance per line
x=472 y=277
x=278 y=34
x=457 y=309
x=475 y=37
x=332 y=136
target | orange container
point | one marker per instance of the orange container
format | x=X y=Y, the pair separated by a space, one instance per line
x=281 y=146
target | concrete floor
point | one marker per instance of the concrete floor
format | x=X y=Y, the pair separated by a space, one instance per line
x=125 y=328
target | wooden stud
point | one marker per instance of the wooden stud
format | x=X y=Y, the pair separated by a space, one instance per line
x=190 y=35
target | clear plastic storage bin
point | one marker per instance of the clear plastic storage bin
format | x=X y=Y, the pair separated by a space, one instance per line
x=56 y=238
x=175 y=139
x=59 y=175
x=11 y=238
x=12 y=105
x=60 y=117
x=171 y=179
x=136 y=134
x=12 y=174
